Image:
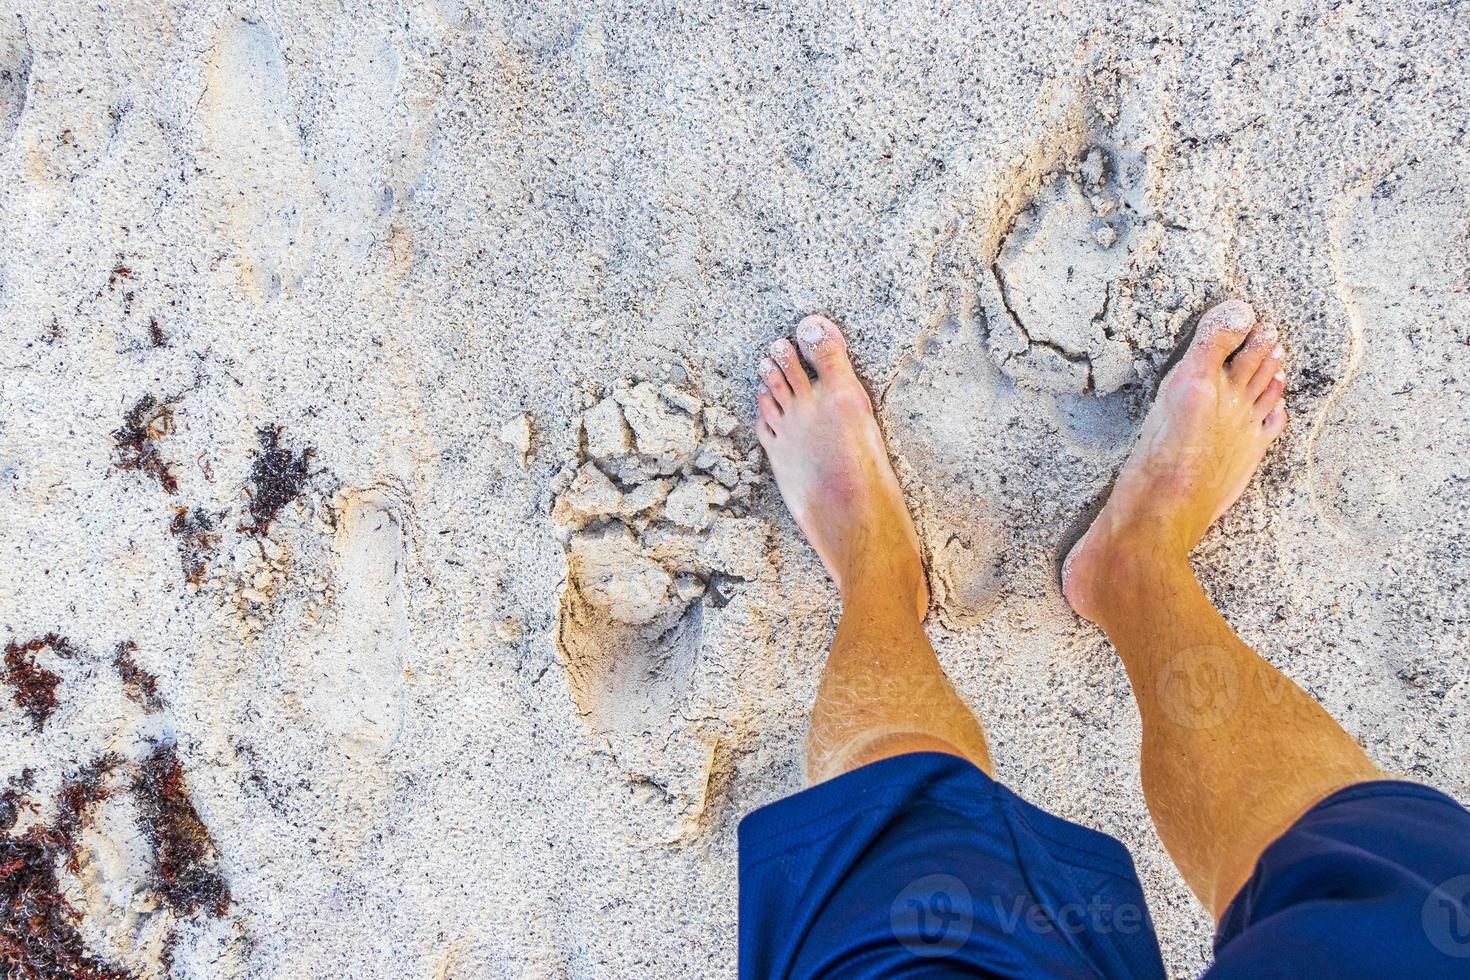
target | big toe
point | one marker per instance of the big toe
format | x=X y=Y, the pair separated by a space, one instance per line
x=823 y=346
x=1221 y=330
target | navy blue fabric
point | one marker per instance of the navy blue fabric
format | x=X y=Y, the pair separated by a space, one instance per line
x=923 y=866
x=1374 y=881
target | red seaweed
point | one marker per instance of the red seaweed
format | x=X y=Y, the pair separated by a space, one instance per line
x=39 y=939
x=197 y=541
x=137 y=441
x=139 y=685
x=186 y=860
x=35 y=686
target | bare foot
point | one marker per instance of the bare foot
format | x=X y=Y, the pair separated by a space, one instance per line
x=1216 y=413
x=833 y=471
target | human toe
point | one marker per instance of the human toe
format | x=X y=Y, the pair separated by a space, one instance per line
x=774 y=380
x=824 y=348
x=1221 y=331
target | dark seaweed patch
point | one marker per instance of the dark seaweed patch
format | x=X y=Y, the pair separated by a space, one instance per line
x=137 y=441
x=77 y=797
x=140 y=686
x=276 y=478
x=184 y=855
x=197 y=540
x=13 y=797
x=35 y=686
x=39 y=939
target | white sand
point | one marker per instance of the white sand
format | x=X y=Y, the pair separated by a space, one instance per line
x=434 y=732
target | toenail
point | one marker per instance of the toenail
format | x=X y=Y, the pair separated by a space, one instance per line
x=761 y=389
x=1279 y=352
x=767 y=365
x=812 y=331
x=1281 y=376
x=781 y=350
x=1232 y=316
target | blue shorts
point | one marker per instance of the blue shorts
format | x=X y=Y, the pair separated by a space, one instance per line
x=923 y=866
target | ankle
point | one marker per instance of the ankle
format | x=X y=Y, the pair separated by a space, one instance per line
x=886 y=579
x=1118 y=565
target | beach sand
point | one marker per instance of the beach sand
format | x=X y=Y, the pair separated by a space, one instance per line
x=391 y=582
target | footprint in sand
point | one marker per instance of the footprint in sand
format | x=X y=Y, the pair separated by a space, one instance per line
x=256 y=157
x=1381 y=474
x=1052 y=281
x=938 y=414
x=650 y=515
x=994 y=469
x=64 y=117
x=359 y=673
x=658 y=549
x=98 y=824
x=15 y=77
x=1093 y=283
x=367 y=147
x=1387 y=430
